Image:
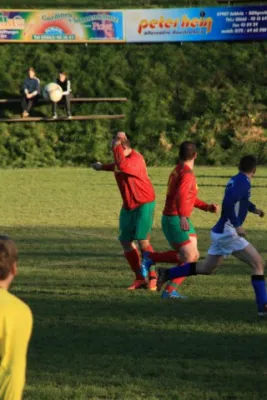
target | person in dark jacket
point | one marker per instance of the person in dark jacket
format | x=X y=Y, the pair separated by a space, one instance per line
x=65 y=85
x=30 y=92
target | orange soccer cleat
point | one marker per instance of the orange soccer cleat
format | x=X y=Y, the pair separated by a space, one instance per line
x=138 y=284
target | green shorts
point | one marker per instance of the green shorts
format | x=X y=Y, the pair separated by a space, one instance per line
x=136 y=224
x=174 y=233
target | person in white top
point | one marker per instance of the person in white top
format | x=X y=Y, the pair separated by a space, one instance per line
x=65 y=85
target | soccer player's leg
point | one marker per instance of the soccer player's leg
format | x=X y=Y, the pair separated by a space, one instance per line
x=206 y=267
x=231 y=243
x=146 y=247
x=250 y=256
x=189 y=254
x=223 y=245
x=144 y=224
x=185 y=245
x=127 y=224
x=170 y=256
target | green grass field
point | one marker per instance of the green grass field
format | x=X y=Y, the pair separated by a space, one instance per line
x=94 y=340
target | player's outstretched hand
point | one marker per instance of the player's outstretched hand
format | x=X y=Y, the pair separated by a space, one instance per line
x=241 y=231
x=259 y=212
x=184 y=224
x=97 y=166
x=213 y=208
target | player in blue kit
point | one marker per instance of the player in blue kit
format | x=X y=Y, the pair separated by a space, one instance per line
x=228 y=236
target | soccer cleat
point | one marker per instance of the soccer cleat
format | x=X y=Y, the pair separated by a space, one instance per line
x=174 y=295
x=263 y=312
x=152 y=285
x=54 y=116
x=138 y=284
x=146 y=264
x=69 y=116
x=162 y=277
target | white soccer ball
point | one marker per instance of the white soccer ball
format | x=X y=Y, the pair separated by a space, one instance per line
x=53 y=92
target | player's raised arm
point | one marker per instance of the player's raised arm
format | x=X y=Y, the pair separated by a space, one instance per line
x=122 y=151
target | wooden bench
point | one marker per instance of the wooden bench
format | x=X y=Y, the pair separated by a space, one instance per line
x=62 y=119
x=73 y=100
x=17 y=100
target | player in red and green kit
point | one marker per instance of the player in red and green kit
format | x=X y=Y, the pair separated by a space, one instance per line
x=176 y=224
x=136 y=216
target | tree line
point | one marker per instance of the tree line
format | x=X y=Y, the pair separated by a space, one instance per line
x=212 y=93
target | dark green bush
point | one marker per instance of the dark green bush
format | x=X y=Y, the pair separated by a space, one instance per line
x=213 y=93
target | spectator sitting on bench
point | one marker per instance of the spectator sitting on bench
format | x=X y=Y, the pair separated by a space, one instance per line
x=65 y=84
x=31 y=91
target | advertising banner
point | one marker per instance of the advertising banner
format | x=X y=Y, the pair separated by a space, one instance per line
x=196 y=24
x=35 y=26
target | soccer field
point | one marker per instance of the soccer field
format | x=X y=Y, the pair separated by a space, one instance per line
x=94 y=340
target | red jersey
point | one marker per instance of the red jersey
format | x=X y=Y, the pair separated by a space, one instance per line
x=132 y=178
x=182 y=192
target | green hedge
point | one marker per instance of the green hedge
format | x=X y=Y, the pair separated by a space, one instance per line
x=213 y=93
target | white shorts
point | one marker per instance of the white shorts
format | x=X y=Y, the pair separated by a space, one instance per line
x=226 y=243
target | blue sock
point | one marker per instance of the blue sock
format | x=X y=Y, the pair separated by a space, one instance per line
x=258 y=283
x=184 y=270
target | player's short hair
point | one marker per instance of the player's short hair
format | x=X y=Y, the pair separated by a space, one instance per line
x=248 y=164
x=63 y=73
x=126 y=143
x=31 y=69
x=8 y=256
x=187 y=151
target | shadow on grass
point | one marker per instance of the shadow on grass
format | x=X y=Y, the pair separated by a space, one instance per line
x=108 y=342
x=62 y=247
x=90 y=331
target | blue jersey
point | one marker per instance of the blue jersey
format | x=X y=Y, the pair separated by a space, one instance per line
x=236 y=203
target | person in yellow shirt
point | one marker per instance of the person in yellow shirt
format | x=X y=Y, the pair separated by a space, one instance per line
x=15 y=327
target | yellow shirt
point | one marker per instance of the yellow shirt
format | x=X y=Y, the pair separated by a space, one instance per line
x=15 y=331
